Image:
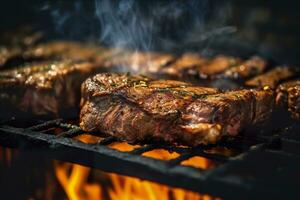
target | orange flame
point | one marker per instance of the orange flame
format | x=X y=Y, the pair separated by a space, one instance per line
x=75 y=180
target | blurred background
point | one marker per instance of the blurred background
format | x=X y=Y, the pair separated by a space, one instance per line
x=268 y=28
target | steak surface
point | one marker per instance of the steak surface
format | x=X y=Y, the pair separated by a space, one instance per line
x=23 y=36
x=62 y=50
x=288 y=96
x=273 y=77
x=14 y=43
x=47 y=88
x=136 y=108
x=139 y=62
x=248 y=68
x=203 y=68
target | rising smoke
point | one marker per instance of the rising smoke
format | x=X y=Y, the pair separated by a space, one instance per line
x=170 y=25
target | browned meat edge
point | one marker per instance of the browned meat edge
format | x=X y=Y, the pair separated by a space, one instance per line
x=48 y=88
x=14 y=43
x=249 y=68
x=273 y=77
x=288 y=96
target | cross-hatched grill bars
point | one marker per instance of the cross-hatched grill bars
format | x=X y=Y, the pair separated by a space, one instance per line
x=230 y=178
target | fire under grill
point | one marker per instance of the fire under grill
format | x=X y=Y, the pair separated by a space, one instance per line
x=266 y=165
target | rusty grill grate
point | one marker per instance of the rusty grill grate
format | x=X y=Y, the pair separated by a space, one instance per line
x=263 y=163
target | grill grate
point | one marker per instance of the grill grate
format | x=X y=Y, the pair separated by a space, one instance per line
x=264 y=162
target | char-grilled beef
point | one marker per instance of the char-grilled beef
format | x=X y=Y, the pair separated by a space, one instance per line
x=137 y=108
x=69 y=50
x=23 y=36
x=9 y=54
x=251 y=67
x=182 y=64
x=139 y=62
x=273 y=77
x=14 y=43
x=288 y=96
x=166 y=65
x=217 y=65
x=203 y=68
x=48 y=88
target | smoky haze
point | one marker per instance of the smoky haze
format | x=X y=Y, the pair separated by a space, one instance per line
x=171 y=26
x=163 y=25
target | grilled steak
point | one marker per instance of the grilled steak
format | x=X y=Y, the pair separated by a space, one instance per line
x=137 y=108
x=216 y=66
x=69 y=50
x=23 y=36
x=48 y=88
x=248 y=68
x=272 y=77
x=183 y=63
x=8 y=54
x=166 y=65
x=13 y=43
x=141 y=62
x=288 y=95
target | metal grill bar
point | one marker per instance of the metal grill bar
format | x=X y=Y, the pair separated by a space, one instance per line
x=220 y=181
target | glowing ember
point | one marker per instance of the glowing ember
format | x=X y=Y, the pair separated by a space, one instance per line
x=86 y=138
x=198 y=162
x=123 y=146
x=161 y=154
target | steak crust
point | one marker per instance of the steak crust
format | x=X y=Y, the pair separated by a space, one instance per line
x=273 y=77
x=47 y=88
x=61 y=50
x=136 y=108
x=251 y=67
x=288 y=96
x=14 y=43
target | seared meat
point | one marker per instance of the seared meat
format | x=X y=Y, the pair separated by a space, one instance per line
x=183 y=63
x=137 y=108
x=288 y=95
x=272 y=77
x=217 y=65
x=248 y=68
x=166 y=65
x=13 y=43
x=49 y=88
x=70 y=50
x=8 y=54
x=139 y=62
x=120 y=59
x=193 y=64
x=21 y=37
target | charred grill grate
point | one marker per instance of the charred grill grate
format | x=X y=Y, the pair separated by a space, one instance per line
x=264 y=161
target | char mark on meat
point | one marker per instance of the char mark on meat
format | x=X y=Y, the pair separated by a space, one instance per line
x=136 y=108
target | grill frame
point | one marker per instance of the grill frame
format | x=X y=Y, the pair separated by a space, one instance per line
x=220 y=181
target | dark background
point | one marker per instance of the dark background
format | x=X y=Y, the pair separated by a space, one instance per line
x=269 y=28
